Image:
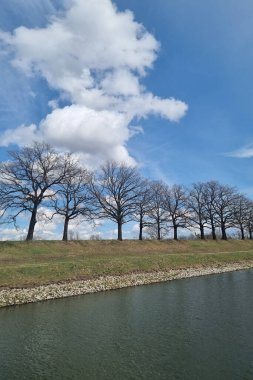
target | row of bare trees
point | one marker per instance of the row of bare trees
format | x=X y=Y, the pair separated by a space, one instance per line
x=207 y=208
x=37 y=176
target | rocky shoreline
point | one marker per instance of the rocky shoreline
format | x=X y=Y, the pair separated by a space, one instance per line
x=17 y=296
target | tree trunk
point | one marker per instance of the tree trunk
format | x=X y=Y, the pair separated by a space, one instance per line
x=202 y=233
x=65 y=229
x=223 y=232
x=242 y=233
x=250 y=233
x=32 y=223
x=158 y=230
x=213 y=230
x=140 y=231
x=120 y=230
x=175 y=231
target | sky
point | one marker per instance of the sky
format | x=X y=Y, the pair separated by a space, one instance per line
x=162 y=84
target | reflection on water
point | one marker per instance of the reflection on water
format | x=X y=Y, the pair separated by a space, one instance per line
x=198 y=328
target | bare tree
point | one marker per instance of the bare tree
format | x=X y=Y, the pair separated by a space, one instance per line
x=196 y=204
x=116 y=189
x=249 y=222
x=143 y=208
x=241 y=214
x=73 y=198
x=224 y=204
x=157 y=214
x=27 y=179
x=176 y=206
x=210 y=196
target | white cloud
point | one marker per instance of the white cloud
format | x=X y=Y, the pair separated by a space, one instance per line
x=95 y=56
x=53 y=104
x=120 y=82
x=91 y=35
x=21 y=135
x=95 y=135
x=12 y=234
x=50 y=227
x=83 y=230
x=83 y=129
x=244 y=152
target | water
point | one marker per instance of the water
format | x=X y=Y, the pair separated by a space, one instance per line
x=198 y=328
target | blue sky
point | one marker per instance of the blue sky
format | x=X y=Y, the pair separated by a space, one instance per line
x=204 y=60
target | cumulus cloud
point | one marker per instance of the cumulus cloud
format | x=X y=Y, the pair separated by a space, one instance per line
x=50 y=227
x=95 y=56
x=99 y=134
x=20 y=135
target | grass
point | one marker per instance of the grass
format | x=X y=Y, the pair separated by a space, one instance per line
x=42 y=262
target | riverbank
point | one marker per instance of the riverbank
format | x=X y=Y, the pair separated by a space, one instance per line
x=30 y=264
x=40 y=270
x=16 y=296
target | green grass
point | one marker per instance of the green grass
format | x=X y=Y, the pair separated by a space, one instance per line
x=43 y=262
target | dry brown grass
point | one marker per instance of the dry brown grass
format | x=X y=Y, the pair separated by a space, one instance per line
x=40 y=262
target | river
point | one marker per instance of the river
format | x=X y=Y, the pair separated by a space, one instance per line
x=198 y=328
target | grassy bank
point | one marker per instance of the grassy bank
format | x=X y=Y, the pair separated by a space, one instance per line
x=43 y=262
